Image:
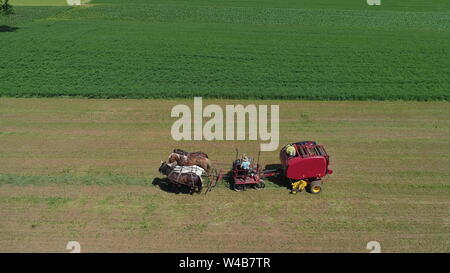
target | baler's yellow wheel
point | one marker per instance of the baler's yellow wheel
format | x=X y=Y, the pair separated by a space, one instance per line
x=315 y=187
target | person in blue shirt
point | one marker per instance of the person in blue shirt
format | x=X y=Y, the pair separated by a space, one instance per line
x=245 y=165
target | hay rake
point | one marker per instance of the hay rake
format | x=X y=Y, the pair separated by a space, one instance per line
x=213 y=179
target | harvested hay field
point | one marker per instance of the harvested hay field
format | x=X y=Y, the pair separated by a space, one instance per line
x=86 y=170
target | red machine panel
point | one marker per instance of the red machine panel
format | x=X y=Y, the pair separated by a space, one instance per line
x=301 y=168
x=309 y=161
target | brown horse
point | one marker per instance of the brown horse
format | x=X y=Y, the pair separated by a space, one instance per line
x=196 y=154
x=198 y=158
x=192 y=180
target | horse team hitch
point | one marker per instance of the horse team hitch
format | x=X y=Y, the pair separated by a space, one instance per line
x=303 y=164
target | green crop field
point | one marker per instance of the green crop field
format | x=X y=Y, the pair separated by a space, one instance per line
x=39 y=2
x=284 y=49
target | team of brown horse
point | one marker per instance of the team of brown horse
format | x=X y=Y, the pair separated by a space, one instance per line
x=182 y=158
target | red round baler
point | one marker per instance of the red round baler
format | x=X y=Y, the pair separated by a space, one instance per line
x=310 y=163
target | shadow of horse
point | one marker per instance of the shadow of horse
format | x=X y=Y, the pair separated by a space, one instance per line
x=167 y=186
x=5 y=28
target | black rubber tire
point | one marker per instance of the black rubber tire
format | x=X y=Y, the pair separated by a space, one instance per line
x=238 y=187
x=315 y=187
x=261 y=185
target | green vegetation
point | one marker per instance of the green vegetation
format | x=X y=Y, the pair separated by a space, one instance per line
x=6 y=8
x=39 y=2
x=302 y=49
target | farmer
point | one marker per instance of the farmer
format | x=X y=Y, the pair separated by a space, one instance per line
x=290 y=150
